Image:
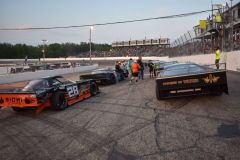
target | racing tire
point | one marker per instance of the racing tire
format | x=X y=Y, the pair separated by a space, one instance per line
x=17 y=109
x=59 y=101
x=113 y=79
x=122 y=76
x=94 y=89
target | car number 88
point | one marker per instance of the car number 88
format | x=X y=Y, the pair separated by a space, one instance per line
x=72 y=91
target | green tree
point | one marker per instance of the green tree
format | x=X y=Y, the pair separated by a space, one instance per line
x=52 y=50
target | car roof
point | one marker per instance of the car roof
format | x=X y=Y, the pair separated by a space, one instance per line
x=177 y=65
x=51 y=77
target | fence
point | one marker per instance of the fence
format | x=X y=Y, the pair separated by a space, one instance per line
x=224 y=34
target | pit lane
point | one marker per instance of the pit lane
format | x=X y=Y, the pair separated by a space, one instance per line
x=127 y=122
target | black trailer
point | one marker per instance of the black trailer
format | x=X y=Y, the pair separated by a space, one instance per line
x=188 y=79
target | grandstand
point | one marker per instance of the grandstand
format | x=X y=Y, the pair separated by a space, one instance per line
x=146 y=47
x=223 y=32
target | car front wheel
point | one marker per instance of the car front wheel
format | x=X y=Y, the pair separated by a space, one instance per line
x=59 y=101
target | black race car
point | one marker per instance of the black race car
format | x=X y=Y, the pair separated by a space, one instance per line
x=158 y=65
x=184 y=79
x=161 y=65
x=105 y=76
x=55 y=92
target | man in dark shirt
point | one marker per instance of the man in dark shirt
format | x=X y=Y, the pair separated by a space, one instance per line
x=141 y=72
x=150 y=66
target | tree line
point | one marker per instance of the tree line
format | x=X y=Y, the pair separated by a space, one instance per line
x=55 y=50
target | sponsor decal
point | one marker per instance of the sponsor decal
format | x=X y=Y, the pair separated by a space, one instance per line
x=11 y=100
x=186 y=81
x=211 y=79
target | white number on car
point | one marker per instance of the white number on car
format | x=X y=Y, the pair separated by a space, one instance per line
x=72 y=91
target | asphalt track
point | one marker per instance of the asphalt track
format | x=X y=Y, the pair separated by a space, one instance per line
x=127 y=122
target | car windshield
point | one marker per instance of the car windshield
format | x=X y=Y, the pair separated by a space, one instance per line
x=101 y=71
x=62 y=80
x=59 y=80
x=182 y=69
x=36 y=84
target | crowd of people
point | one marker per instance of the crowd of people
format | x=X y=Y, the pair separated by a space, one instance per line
x=135 y=69
x=127 y=51
x=194 y=47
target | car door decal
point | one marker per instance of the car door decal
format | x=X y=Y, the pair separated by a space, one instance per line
x=72 y=91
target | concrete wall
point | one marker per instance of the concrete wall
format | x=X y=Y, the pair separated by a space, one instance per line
x=78 y=59
x=10 y=78
x=4 y=70
x=232 y=59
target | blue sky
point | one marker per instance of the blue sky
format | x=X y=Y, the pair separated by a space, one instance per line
x=49 y=13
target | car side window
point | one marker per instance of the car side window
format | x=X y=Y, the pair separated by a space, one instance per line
x=45 y=84
x=54 y=82
x=41 y=84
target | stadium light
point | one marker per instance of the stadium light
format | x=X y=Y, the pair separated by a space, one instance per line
x=232 y=17
x=90 y=44
x=44 y=43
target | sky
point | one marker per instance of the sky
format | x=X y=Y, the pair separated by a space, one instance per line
x=51 y=13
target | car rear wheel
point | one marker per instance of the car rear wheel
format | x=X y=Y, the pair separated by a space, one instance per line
x=93 y=89
x=59 y=101
x=17 y=109
x=113 y=79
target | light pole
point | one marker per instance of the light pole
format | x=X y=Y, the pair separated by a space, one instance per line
x=231 y=26
x=90 y=44
x=44 y=43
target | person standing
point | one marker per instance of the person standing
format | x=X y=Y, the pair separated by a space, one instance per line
x=218 y=56
x=117 y=66
x=135 y=71
x=129 y=67
x=150 y=66
x=141 y=71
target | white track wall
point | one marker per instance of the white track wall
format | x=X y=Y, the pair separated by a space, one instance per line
x=10 y=78
x=232 y=59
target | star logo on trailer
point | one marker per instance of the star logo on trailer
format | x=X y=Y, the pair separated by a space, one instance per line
x=211 y=79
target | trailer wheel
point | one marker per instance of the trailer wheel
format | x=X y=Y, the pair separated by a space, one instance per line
x=17 y=109
x=216 y=90
x=93 y=89
x=157 y=93
x=59 y=101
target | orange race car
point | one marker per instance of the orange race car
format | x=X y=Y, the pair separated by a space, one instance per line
x=55 y=92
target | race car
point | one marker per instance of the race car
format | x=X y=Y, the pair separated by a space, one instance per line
x=104 y=76
x=55 y=92
x=185 y=79
x=160 y=65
